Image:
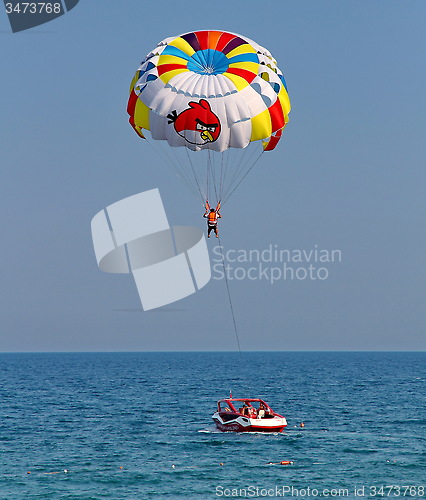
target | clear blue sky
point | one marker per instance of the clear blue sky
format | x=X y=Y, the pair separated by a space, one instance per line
x=349 y=174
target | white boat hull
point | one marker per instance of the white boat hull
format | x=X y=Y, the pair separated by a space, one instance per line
x=226 y=423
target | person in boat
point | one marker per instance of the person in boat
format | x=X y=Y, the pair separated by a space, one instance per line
x=252 y=413
x=212 y=218
x=261 y=411
x=244 y=409
x=248 y=410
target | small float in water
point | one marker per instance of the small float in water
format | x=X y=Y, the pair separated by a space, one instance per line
x=247 y=415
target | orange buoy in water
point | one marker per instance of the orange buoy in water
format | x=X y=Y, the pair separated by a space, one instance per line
x=286 y=462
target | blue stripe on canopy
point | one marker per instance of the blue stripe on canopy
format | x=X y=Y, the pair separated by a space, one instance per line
x=174 y=51
x=248 y=57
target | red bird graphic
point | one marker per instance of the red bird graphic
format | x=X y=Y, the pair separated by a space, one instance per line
x=197 y=124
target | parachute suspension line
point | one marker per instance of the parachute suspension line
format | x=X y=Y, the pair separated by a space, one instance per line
x=185 y=172
x=221 y=176
x=201 y=190
x=224 y=161
x=203 y=194
x=246 y=174
x=238 y=167
x=244 y=166
x=230 y=299
x=226 y=169
x=207 y=181
x=166 y=154
x=210 y=173
x=212 y=169
x=168 y=159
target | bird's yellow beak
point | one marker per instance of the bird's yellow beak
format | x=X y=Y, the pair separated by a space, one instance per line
x=207 y=136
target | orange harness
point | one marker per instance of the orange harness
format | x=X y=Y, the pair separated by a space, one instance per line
x=212 y=218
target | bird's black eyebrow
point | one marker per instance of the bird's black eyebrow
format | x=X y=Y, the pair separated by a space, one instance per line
x=206 y=124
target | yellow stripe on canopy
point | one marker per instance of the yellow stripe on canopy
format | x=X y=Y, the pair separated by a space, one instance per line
x=168 y=59
x=284 y=100
x=183 y=45
x=249 y=66
x=245 y=48
x=239 y=82
x=166 y=77
x=139 y=132
x=141 y=115
x=261 y=126
x=133 y=83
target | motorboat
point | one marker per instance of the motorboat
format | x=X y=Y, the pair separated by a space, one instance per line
x=247 y=415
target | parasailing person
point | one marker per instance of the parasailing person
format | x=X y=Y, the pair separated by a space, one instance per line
x=212 y=215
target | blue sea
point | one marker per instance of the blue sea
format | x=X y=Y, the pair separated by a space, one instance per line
x=138 y=426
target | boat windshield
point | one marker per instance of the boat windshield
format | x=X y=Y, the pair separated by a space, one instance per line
x=223 y=406
x=246 y=407
x=255 y=408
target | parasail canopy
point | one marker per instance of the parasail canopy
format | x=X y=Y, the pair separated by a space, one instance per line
x=210 y=90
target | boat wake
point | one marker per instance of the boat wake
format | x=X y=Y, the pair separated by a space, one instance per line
x=212 y=430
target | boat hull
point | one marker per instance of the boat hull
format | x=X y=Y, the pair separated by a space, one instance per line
x=238 y=423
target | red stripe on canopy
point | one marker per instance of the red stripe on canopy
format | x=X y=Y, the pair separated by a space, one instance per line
x=165 y=68
x=203 y=39
x=277 y=116
x=223 y=41
x=247 y=75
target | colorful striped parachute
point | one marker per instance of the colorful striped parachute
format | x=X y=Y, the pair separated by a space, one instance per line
x=210 y=91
